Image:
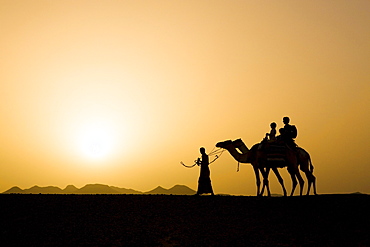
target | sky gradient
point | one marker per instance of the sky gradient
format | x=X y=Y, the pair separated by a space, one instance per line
x=119 y=92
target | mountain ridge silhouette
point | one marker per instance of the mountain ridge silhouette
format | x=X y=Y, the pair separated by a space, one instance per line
x=175 y=190
x=99 y=189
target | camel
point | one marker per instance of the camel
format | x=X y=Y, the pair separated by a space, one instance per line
x=259 y=161
x=304 y=163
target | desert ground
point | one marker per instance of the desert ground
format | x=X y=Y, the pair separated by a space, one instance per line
x=172 y=220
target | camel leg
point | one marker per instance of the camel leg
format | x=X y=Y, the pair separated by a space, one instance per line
x=266 y=184
x=311 y=181
x=314 y=186
x=313 y=178
x=265 y=174
x=280 y=179
x=301 y=181
x=307 y=167
x=294 y=181
x=263 y=185
x=263 y=188
x=258 y=180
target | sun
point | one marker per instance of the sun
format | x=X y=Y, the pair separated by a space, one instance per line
x=96 y=142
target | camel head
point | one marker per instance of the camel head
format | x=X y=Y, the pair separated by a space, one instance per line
x=238 y=142
x=224 y=144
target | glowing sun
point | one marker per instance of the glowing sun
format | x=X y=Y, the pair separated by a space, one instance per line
x=96 y=142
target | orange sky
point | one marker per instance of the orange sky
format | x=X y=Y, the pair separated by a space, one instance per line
x=144 y=84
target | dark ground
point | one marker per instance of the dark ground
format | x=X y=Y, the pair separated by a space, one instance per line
x=155 y=220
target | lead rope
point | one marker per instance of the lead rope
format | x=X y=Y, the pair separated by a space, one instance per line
x=237 y=169
x=217 y=154
x=188 y=166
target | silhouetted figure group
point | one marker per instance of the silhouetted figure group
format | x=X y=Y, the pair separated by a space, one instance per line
x=286 y=137
x=287 y=134
x=272 y=153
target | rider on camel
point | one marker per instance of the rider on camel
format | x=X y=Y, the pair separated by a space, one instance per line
x=288 y=133
x=272 y=135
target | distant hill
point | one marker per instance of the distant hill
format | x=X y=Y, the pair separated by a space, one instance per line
x=96 y=189
x=43 y=190
x=14 y=190
x=158 y=190
x=175 y=190
x=70 y=189
x=99 y=189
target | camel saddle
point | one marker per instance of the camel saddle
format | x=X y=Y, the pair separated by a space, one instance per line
x=276 y=154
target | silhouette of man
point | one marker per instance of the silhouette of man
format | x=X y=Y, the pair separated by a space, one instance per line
x=204 y=182
x=288 y=133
